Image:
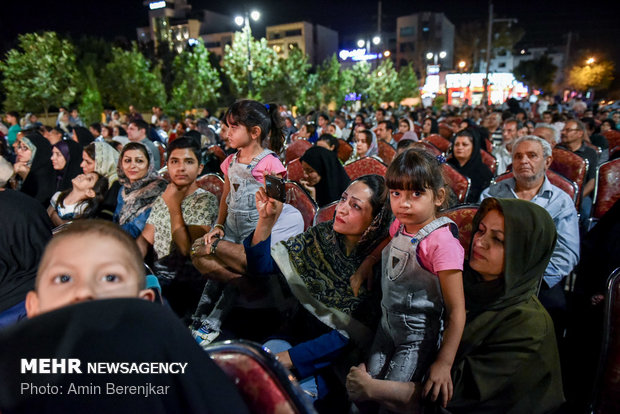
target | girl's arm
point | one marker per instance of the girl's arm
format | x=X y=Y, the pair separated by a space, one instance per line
x=56 y=220
x=217 y=228
x=364 y=272
x=439 y=379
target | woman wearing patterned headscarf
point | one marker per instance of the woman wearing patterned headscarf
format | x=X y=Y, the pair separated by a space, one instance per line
x=101 y=158
x=34 y=173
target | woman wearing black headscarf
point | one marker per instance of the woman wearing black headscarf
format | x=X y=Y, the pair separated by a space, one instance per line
x=467 y=160
x=66 y=159
x=33 y=170
x=324 y=176
x=82 y=136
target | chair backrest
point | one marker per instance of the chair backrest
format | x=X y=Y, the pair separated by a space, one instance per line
x=301 y=200
x=571 y=166
x=557 y=179
x=446 y=131
x=607 y=384
x=456 y=181
x=296 y=149
x=212 y=183
x=344 y=150
x=613 y=137
x=218 y=151
x=162 y=153
x=489 y=160
x=294 y=170
x=440 y=142
x=431 y=148
x=386 y=151
x=264 y=384
x=607 y=188
x=325 y=213
x=363 y=166
x=463 y=216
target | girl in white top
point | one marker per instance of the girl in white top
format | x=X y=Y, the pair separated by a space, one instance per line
x=80 y=201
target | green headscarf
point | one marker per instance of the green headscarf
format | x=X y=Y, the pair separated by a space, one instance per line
x=529 y=240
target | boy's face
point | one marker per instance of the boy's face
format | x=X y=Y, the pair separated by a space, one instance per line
x=74 y=271
x=183 y=166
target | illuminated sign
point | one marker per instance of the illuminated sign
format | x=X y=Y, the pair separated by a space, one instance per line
x=358 y=54
x=476 y=80
x=432 y=69
x=157 y=5
x=353 y=97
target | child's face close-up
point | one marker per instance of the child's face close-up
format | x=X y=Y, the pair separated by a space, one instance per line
x=84 y=182
x=414 y=209
x=66 y=277
x=183 y=166
x=238 y=136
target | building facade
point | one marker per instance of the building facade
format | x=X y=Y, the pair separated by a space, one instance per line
x=315 y=41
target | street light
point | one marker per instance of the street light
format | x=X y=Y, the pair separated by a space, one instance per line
x=361 y=43
x=245 y=22
x=376 y=40
x=436 y=56
x=590 y=61
x=462 y=64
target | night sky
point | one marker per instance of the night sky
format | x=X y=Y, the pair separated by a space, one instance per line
x=595 y=25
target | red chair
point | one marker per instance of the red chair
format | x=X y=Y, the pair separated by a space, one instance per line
x=607 y=188
x=613 y=137
x=301 y=200
x=440 y=142
x=489 y=160
x=218 y=151
x=162 y=153
x=386 y=152
x=417 y=129
x=264 y=384
x=344 y=150
x=557 y=179
x=294 y=170
x=446 y=131
x=296 y=149
x=456 y=181
x=607 y=384
x=463 y=216
x=212 y=183
x=430 y=147
x=364 y=166
x=325 y=213
x=571 y=166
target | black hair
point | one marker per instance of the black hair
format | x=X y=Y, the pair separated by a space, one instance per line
x=14 y=114
x=381 y=110
x=324 y=116
x=404 y=143
x=377 y=186
x=141 y=124
x=96 y=126
x=609 y=121
x=251 y=113
x=311 y=128
x=331 y=141
x=91 y=150
x=121 y=131
x=367 y=135
x=415 y=170
x=92 y=204
x=388 y=124
x=136 y=146
x=185 y=142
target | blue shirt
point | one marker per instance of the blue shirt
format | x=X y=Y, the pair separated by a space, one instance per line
x=562 y=210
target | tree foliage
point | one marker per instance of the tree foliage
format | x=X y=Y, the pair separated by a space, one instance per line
x=91 y=105
x=382 y=83
x=471 y=41
x=407 y=84
x=40 y=74
x=536 y=73
x=597 y=75
x=292 y=78
x=196 y=82
x=128 y=79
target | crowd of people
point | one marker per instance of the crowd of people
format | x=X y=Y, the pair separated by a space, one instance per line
x=380 y=308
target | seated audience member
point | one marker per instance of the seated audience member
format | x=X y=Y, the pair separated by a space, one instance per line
x=429 y=127
x=82 y=136
x=72 y=271
x=548 y=133
x=138 y=131
x=324 y=176
x=332 y=326
x=328 y=141
x=365 y=144
x=531 y=159
x=503 y=152
x=333 y=130
x=466 y=159
x=573 y=136
x=507 y=361
x=597 y=139
x=179 y=216
x=34 y=172
x=66 y=160
x=102 y=158
x=82 y=200
x=140 y=188
x=25 y=230
x=384 y=132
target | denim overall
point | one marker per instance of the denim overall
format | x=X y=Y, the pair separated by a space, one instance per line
x=412 y=306
x=242 y=215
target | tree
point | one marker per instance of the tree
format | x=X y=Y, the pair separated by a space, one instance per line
x=407 y=84
x=129 y=80
x=91 y=105
x=536 y=73
x=359 y=75
x=293 y=76
x=196 y=83
x=596 y=75
x=264 y=68
x=382 y=83
x=471 y=44
x=40 y=75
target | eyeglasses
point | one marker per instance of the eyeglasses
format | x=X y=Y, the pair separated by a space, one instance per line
x=570 y=130
x=22 y=148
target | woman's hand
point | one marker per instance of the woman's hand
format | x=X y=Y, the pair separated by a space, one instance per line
x=215 y=233
x=363 y=273
x=267 y=207
x=358 y=381
x=439 y=382
x=21 y=168
x=309 y=188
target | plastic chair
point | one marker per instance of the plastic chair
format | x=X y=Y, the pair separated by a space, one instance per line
x=555 y=178
x=297 y=196
x=294 y=170
x=364 y=166
x=463 y=216
x=489 y=160
x=445 y=131
x=162 y=153
x=212 y=183
x=440 y=142
x=386 y=152
x=60 y=228
x=431 y=148
x=265 y=385
x=571 y=166
x=607 y=384
x=325 y=213
x=457 y=182
x=296 y=149
x=613 y=137
x=607 y=187
x=344 y=150
x=218 y=151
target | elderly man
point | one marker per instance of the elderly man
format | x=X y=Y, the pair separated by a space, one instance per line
x=531 y=157
x=492 y=122
x=548 y=133
x=503 y=152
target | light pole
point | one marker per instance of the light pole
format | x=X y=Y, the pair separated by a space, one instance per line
x=245 y=22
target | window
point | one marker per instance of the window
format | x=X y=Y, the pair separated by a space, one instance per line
x=406 y=47
x=407 y=31
x=209 y=45
x=502 y=65
x=274 y=35
x=289 y=33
